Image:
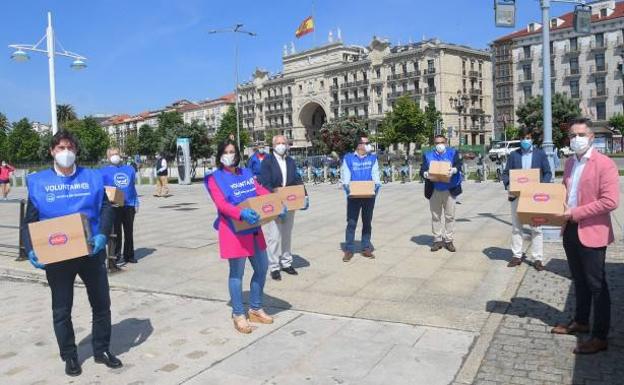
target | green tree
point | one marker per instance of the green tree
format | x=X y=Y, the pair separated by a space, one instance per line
x=564 y=109
x=22 y=142
x=148 y=141
x=617 y=122
x=406 y=124
x=4 y=129
x=65 y=113
x=93 y=139
x=169 y=123
x=197 y=133
x=228 y=127
x=432 y=121
x=512 y=132
x=45 y=141
x=131 y=145
x=340 y=135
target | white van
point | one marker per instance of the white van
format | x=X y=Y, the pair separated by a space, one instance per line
x=503 y=149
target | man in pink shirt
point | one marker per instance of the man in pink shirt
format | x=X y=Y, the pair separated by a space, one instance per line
x=592 y=183
x=5 y=174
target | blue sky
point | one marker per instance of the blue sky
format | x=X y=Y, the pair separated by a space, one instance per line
x=145 y=54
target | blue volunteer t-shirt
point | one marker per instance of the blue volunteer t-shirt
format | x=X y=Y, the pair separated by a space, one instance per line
x=361 y=169
x=56 y=196
x=446 y=156
x=122 y=177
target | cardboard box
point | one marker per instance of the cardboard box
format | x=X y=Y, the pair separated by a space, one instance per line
x=520 y=178
x=115 y=196
x=267 y=206
x=439 y=171
x=362 y=189
x=62 y=238
x=539 y=203
x=292 y=196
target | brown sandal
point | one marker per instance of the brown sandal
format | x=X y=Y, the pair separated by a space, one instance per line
x=260 y=317
x=241 y=324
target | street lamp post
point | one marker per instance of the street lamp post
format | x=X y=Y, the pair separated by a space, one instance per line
x=459 y=104
x=20 y=55
x=235 y=30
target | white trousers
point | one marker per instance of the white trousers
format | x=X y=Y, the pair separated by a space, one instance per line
x=442 y=204
x=537 y=238
x=278 y=234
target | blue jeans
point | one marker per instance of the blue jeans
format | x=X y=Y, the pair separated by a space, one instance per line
x=260 y=264
x=354 y=205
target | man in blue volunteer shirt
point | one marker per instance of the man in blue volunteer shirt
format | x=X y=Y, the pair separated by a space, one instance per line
x=360 y=165
x=526 y=157
x=122 y=177
x=442 y=195
x=62 y=190
x=255 y=161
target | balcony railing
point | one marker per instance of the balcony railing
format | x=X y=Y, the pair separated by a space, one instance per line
x=397 y=94
x=475 y=74
x=598 y=69
x=571 y=72
x=525 y=78
x=572 y=50
x=477 y=111
x=596 y=46
x=429 y=71
x=475 y=92
x=430 y=90
x=404 y=75
x=525 y=57
x=357 y=100
x=599 y=93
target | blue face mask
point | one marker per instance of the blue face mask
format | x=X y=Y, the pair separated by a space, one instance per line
x=526 y=144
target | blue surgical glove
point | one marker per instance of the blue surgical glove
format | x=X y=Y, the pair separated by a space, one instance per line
x=99 y=243
x=250 y=216
x=307 y=203
x=346 y=189
x=34 y=260
x=377 y=187
x=282 y=215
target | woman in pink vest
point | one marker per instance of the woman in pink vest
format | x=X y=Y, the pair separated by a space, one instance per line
x=228 y=186
x=5 y=174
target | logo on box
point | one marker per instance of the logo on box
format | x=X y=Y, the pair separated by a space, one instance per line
x=58 y=239
x=541 y=197
x=523 y=179
x=291 y=197
x=539 y=220
x=268 y=208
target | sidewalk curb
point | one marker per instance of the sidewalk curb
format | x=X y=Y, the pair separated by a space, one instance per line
x=469 y=369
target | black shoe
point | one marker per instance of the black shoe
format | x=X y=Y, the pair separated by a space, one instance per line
x=275 y=274
x=437 y=246
x=108 y=359
x=290 y=270
x=72 y=367
x=131 y=260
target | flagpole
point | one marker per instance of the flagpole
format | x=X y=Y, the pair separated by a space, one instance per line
x=314 y=21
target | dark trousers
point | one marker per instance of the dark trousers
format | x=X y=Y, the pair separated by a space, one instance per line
x=124 y=220
x=61 y=276
x=587 y=266
x=354 y=205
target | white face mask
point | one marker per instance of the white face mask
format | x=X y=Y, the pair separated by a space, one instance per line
x=228 y=159
x=115 y=159
x=280 y=149
x=65 y=158
x=440 y=147
x=579 y=144
x=368 y=148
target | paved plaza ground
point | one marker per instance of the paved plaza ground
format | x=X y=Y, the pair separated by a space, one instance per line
x=407 y=317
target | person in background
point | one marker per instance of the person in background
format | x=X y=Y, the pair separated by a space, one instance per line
x=122 y=177
x=229 y=186
x=5 y=175
x=255 y=160
x=162 y=175
x=61 y=190
x=360 y=165
x=593 y=192
x=526 y=157
x=280 y=170
x=442 y=195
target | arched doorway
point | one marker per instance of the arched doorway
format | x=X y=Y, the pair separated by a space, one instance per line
x=312 y=117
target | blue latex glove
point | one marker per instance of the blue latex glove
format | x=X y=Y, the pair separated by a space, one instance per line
x=98 y=242
x=346 y=189
x=307 y=203
x=34 y=260
x=377 y=187
x=250 y=216
x=282 y=215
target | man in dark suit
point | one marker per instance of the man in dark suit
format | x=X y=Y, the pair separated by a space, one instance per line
x=279 y=170
x=526 y=157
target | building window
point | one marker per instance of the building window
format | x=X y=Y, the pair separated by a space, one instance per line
x=600 y=86
x=335 y=113
x=404 y=68
x=430 y=66
x=528 y=92
x=600 y=61
x=393 y=69
x=335 y=80
x=573 y=44
x=379 y=111
x=527 y=51
x=364 y=76
x=574 y=65
x=335 y=95
x=378 y=72
x=431 y=84
x=600 y=39
x=355 y=76
x=601 y=111
x=415 y=66
x=603 y=13
x=378 y=90
x=526 y=70
x=300 y=87
x=322 y=84
x=346 y=79
x=574 y=89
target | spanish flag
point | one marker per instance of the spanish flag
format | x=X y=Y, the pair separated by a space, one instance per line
x=305 y=27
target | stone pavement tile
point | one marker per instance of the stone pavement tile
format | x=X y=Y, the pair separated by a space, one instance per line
x=390 y=288
x=417 y=267
x=454 y=282
x=317 y=302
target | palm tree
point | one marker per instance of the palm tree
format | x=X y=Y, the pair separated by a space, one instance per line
x=4 y=123
x=65 y=113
